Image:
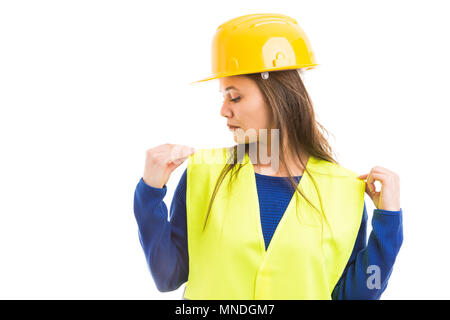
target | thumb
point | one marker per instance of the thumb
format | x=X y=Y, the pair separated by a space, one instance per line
x=179 y=155
x=173 y=164
x=363 y=176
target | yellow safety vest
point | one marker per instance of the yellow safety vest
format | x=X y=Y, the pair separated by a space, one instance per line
x=304 y=259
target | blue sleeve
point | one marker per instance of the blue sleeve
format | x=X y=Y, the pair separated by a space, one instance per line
x=357 y=281
x=164 y=241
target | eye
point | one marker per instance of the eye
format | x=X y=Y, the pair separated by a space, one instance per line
x=235 y=100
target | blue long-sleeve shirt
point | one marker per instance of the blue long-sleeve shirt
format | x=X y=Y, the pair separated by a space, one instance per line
x=166 y=249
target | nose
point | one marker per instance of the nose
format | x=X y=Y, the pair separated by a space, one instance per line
x=226 y=111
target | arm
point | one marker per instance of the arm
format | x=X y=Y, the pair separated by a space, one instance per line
x=164 y=242
x=382 y=248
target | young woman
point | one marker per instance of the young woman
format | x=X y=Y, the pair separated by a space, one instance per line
x=242 y=228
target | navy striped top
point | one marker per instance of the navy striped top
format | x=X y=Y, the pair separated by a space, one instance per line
x=272 y=206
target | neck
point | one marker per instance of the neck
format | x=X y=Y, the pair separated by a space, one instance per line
x=266 y=166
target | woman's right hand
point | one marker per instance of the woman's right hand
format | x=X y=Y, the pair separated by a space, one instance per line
x=162 y=160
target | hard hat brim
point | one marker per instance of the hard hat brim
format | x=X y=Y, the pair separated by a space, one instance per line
x=212 y=77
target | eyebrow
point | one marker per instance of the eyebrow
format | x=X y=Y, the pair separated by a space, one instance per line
x=229 y=88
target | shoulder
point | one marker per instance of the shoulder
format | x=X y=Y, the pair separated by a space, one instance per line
x=321 y=168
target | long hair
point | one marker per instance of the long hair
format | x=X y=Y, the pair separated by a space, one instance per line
x=291 y=107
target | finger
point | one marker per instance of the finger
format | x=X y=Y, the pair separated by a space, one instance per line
x=172 y=165
x=378 y=169
x=180 y=152
x=186 y=153
x=371 y=182
x=373 y=176
x=368 y=188
x=163 y=148
x=368 y=191
x=179 y=160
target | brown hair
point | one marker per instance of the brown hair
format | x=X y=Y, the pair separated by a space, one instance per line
x=292 y=110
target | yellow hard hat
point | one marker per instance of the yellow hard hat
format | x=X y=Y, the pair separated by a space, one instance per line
x=259 y=43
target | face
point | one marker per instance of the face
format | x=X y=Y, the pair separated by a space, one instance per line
x=244 y=108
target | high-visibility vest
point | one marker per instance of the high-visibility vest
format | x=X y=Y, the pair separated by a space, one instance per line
x=306 y=256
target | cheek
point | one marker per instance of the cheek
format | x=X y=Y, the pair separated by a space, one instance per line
x=260 y=116
x=252 y=116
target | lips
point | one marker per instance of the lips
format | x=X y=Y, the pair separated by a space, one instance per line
x=232 y=127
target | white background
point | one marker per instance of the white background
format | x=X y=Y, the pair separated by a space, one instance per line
x=87 y=86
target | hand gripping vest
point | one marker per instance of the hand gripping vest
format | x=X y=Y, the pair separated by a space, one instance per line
x=228 y=259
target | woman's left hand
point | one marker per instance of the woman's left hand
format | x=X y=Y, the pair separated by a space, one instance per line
x=388 y=198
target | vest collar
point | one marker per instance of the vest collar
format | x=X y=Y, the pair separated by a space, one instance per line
x=304 y=184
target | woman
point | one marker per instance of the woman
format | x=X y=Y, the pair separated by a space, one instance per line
x=243 y=228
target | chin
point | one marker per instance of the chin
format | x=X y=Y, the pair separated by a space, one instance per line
x=244 y=139
x=241 y=136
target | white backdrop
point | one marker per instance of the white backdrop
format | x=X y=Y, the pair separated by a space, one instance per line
x=87 y=86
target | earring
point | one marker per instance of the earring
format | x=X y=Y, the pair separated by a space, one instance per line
x=264 y=75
